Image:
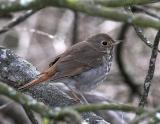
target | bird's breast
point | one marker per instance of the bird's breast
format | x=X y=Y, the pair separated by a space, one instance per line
x=89 y=80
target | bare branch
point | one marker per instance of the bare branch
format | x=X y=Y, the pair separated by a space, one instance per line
x=143 y=116
x=118 y=3
x=147 y=82
x=16 y=21
x=88 y=7
x=134 y=88
x=111 y=106
x=144 y=9
x=140 y=33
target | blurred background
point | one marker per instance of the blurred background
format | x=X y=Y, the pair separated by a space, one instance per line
x=50 y=31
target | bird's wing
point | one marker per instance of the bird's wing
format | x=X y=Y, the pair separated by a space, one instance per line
x=77 y=60
x=44 y=76
x=72 y=62
x=54 y=61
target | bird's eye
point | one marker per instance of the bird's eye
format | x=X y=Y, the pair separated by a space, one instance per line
x=104 y=43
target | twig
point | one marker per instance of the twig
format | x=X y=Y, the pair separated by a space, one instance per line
x=143 y=116
x=139 y=30
x=118 y=3
x=111 y=106
x=120 y=62
x=154 y=7
x=140 y=33
x=38 y=32
x=148 y=79
x=16 y=21
x=144 y=9
x=75 y=28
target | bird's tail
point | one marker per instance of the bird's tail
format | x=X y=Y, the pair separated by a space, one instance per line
x=41 y=77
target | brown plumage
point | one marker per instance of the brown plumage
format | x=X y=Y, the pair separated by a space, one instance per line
x=79 y=58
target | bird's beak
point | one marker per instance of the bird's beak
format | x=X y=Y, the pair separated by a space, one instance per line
x=117 y=42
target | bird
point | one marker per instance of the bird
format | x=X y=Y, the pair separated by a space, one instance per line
x=82 y=66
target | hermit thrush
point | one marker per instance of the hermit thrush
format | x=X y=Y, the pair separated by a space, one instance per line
x=82 y=66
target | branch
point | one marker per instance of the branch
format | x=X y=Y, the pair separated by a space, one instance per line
x=122 y=3
x=142 y=117
x=144 y=9
x=120 y=62
x=16 y=21
x=38 y=107
x=75 y=27
x=87 y=7
x=58 y=113
x=140 y=33
x=148 y=79
x=103 y=106
x=7 y=6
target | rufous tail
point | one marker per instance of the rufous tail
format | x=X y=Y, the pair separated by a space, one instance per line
x=42 y=77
